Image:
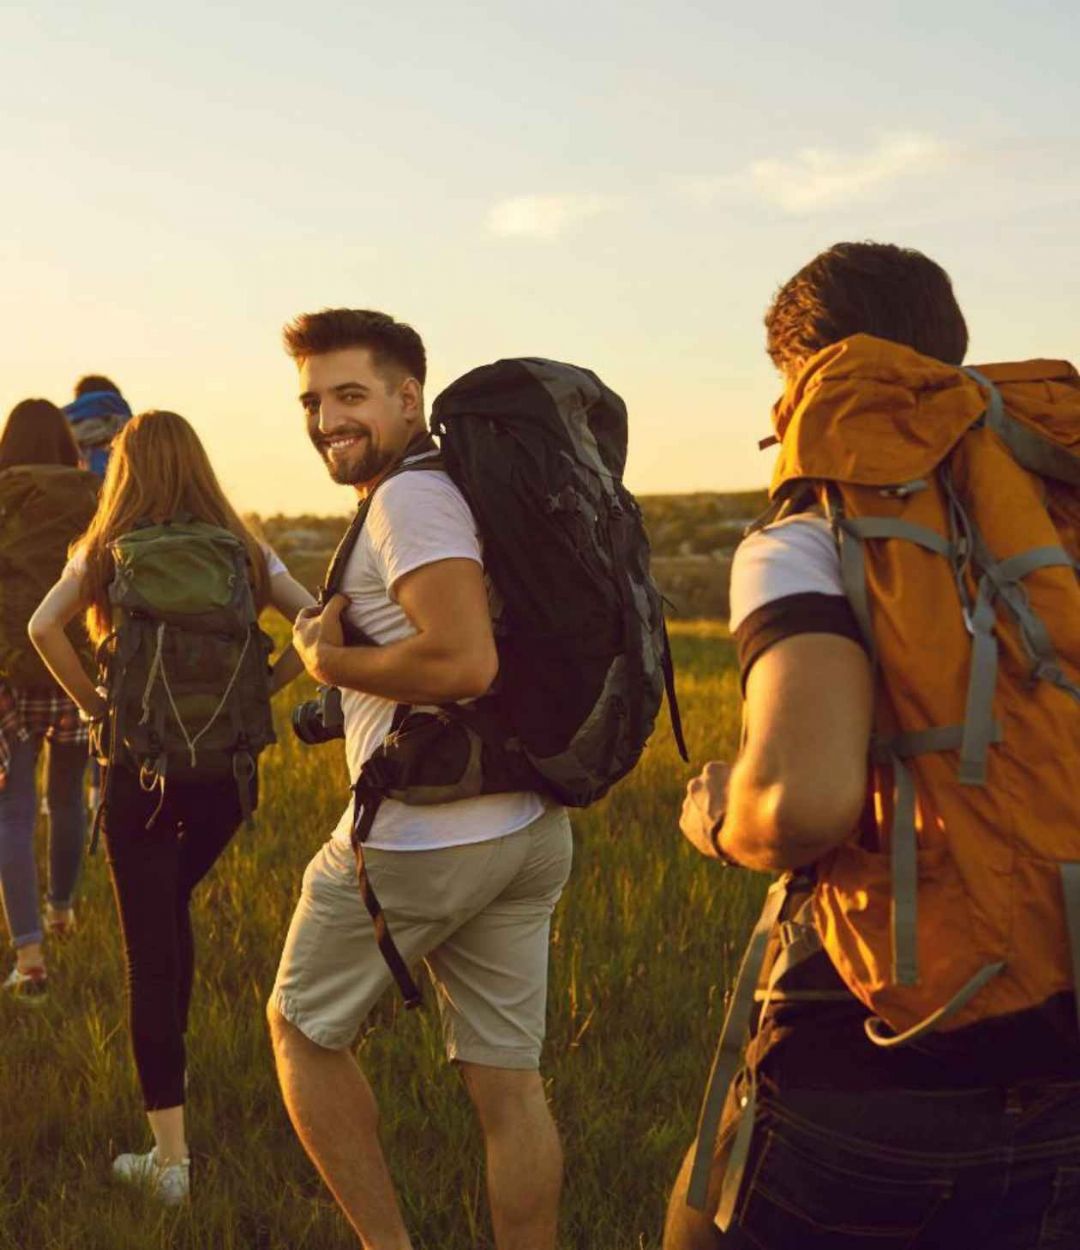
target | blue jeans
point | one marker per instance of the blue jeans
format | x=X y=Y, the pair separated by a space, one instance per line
x=67 y=828
x=997 y=1169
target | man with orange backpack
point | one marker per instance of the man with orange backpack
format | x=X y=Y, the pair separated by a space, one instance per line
x=907 y=618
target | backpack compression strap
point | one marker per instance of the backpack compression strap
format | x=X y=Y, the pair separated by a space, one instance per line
x=368 y=799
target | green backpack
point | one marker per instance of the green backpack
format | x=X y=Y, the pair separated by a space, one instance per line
x=43 y=507
x=185 y=665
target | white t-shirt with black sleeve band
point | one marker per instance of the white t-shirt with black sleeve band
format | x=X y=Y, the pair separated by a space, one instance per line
x=785 y=580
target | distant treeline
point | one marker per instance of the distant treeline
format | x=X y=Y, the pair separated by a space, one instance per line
x=692 y=538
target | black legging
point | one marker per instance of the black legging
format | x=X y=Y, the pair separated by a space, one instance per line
x=154 y=872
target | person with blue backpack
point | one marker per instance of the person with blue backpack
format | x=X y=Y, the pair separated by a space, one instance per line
x=171 y=582
x=97 y=414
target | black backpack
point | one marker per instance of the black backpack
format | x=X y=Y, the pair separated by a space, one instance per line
x=538 y=449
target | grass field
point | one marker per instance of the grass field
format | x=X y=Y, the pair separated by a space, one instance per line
x=644 y=943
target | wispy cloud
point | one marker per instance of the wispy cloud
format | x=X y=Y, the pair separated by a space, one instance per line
x=821 y=178
x=544 y=216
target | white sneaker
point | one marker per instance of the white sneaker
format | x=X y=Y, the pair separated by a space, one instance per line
x=31 y=986
x=172 y=1184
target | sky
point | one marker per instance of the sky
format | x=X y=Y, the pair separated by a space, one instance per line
x=619 y=184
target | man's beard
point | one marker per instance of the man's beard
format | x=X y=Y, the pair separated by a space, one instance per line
x=349 y=472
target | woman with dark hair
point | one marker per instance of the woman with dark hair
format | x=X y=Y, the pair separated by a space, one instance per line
x=46 y=501
x=37 y=432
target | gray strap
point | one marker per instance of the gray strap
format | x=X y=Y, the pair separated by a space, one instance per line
x=1001 y=578
x=853 y=580
x=1028 y=447
x=729 y=1049
x=1036 y=637
x=876 y=1028
x=903 y=842
x=1025 y=562
x=736 y=1164
x=918 y=742
x=925 y=742
x=891 y=527
x=800 y=943
x=1070 y=887
x=979 y=709
x=904 y=869
x=960 y=536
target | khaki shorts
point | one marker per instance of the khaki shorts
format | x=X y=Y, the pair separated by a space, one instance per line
x=479 y=916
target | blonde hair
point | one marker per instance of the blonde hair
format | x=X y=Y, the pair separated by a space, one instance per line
x=158 y=470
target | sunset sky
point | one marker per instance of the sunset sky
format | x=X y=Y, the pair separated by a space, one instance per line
x=622 y=184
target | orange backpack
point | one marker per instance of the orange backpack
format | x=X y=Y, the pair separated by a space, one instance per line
x=954 y=496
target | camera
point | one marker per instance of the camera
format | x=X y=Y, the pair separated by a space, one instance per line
x=320 y=719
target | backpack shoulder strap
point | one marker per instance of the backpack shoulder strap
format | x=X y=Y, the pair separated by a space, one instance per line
x=422 y=455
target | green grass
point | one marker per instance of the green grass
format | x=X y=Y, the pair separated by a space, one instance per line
x=645 y=941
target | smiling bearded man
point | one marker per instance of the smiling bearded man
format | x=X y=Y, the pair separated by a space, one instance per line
x=468 y=886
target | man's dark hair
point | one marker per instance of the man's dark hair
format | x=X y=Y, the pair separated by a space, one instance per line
x=890 y=292
x=392 y=344
x=94 y=382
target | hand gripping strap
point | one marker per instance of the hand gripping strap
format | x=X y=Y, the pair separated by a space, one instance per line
x=729 y=1048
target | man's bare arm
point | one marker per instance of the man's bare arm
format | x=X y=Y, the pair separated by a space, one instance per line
x=799 y=785
x=452 y=655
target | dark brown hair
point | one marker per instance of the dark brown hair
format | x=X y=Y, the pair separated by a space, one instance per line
x=392 y=343
x=37 y=432
x=890 y=292
x=94 y=382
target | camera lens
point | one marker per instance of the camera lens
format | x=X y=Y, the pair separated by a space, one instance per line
x=319 y=719
x=307 y=722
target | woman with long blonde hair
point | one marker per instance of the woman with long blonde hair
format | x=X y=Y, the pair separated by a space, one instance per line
x=160 y=845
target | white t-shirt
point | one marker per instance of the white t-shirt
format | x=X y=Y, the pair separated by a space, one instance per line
x=415 y=519
x=796 y=556
x=785 y=580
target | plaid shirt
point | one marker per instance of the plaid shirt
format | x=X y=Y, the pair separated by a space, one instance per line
x=26 y=714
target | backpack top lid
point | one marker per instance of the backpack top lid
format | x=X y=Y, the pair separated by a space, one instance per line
x=182 y=570
x=534 y=395
x=869 y=412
